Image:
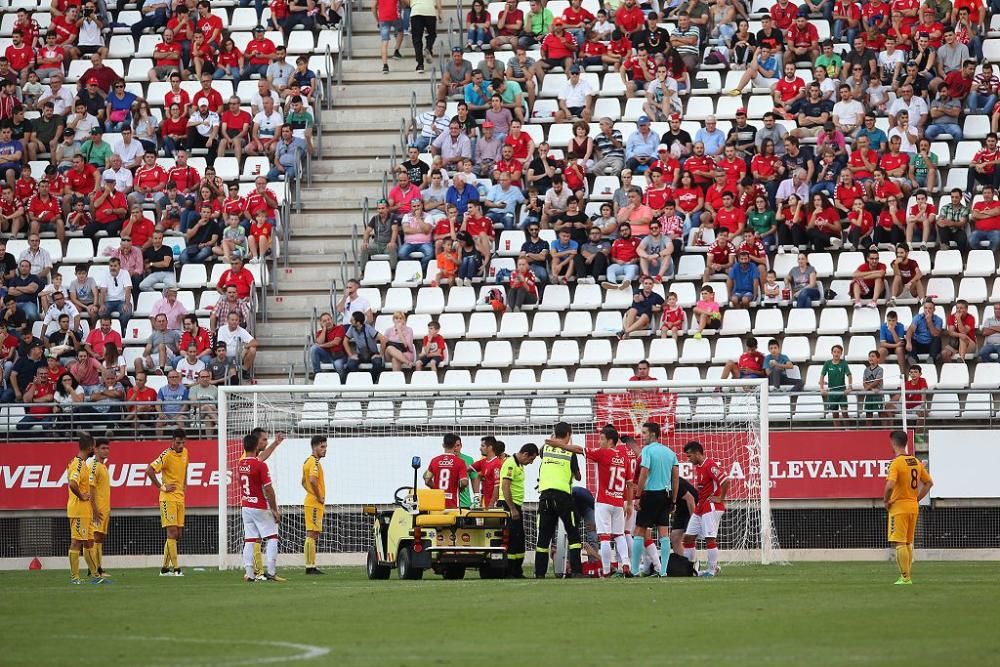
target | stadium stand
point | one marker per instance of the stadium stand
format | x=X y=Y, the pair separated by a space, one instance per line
x=152 y=154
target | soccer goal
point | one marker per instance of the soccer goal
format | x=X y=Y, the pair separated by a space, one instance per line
x=374 y=432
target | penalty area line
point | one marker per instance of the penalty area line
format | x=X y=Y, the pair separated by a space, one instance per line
x=302 y=651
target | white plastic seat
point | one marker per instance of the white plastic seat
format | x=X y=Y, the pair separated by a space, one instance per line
x=947 y=263
x=498 y=354
x=809 y=407
x=944 y=406
x=727 y=349
x=768 y=322
x=942 y=290
x=408 y=273
x=587 y=297
x=398 y=299
x=430 y=300
x=482 y=325
x=801 y=321
x=987 y=376
x=978 y=406
x=695 y=351
x=690 y=267
x=531 y=353
x=735 y=322
x=953 y=376
x=137 y=332
x=629 y=352
x=596 y=352
x=973 y=290
x=555 y=297
x=577 y=325
x=607 y=323
x=822 y=262
x=545 y=325
x=847 y=263
x=617 y=299
x=452 y=325
x=461 y=300
x=797 y=348
x=509 y=244
x=78 y=251
x=565 y=353
x=467 y=354
x=377 y=273
x=865 y=320
x=512 y=325
x=663 y=351
x=980 y=263
x=554 y=379
x=604 y=188
x=859 y=347
x=511 y=411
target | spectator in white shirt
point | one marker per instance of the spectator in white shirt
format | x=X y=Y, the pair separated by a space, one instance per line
x=115 y=293
x=352 y=302
x=575 y=98
x=116 y=170
x=238 y=341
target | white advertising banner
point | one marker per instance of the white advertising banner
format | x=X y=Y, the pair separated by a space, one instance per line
x=964 y=463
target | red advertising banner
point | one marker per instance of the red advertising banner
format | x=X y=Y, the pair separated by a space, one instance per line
x=627 y=412
x=803 y=464
x=33 y=475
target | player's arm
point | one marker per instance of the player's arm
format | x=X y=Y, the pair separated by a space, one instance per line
x=74 y=486
x=925 y=484
x=429 y=479
x=641 y=483
x=94 y=511
x=566 y=444
x=720 y=497
x=689 y=500
x=151 y=474
x=314 y=487
x=266 y=454
x=674 y=485
x=890 y=483
x=477 y=484
x=505 y=486
x=272 y=502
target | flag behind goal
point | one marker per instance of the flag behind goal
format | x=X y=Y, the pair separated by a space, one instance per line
x=373 y=436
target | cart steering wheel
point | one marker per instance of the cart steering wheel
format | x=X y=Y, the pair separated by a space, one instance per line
x=408 y=499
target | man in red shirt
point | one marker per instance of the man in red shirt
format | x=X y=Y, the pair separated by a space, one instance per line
x=44 y=213
x=862 y=162
x=141 y=402
x=209 y=24
x=261 y=199
x=328 y=346
x=986 y=220
x=448 y=472
x=488 y=468
x=81 y=181
x=721 y=256
x=960 y=81
x=558 y=47
x=983 y=165
x=629 y=18
x=110 y=211
x=40 y=395
x=21 y=56
x=258 y=54
x=104 y=75
x=868 y=281
x=788 y=90
x=638 y=70
x=198 y=336
x=803 y=39
x=166 y=57
x=238 y=276
x=730 y=218
x=701 y=166
x=236 y=124
x=624 y=256
x=186 y=177
x=960 y=333
x=150 y=180
x=208 y=93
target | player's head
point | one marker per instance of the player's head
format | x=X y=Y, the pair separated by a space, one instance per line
x=899 y=440
x=487 y=445
x=260 y=438
x=86 y=442
x=499 y=448
x=562 y=430
x=102 y=449
x=694 y=452
x=250 y=443
x=178 y=437
x=527 y=454
x=650 y=432
x=451 y=441
x=608 y=437
x=318 y=444
x=630 y=442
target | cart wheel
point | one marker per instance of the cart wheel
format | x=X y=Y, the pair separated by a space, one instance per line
x=454 y=572
x=405 y=562
x=375 y=569
x=490 y=572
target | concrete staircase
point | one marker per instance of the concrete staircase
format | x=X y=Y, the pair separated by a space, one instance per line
x=359 y=134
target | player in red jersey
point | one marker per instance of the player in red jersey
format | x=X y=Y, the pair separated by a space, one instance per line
x=488 y=468
x=609 y=508
x=448 y=472
x=259 y=508
x=712 y=483
x=630 y=449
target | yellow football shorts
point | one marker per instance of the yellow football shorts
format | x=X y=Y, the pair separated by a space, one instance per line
x=902 y=527
x=102 y=525
x=79 y=528
x=171 y=513
x=314 y=520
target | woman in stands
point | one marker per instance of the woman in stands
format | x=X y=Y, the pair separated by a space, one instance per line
x=690 y=201
x=860 y=225
x=742 y=46
x=523 y=286
x=723 y=20
x=113 y=362
x=397 y=344
x=801 y=281
x=70 y=400
x=145 y=126
x=764 y=168
x=229 y=62
x=823 y=225
x=174 y=130
x=582 y=145
x=791 y=219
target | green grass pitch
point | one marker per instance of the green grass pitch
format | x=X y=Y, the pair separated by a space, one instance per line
x=804 y=614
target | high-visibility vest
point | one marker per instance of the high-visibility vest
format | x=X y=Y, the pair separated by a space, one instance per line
x=556 y=471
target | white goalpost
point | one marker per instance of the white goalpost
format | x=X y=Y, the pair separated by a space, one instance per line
x=374 y=431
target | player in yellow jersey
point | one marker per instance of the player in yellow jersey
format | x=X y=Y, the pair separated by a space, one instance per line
x=264 y=452
x=100 y=483
x=906 y=484
x=315 y=502
x=172 y=464
x=81 y=509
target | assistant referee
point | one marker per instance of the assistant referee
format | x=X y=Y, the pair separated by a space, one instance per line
x=555 y=501
x=657 y=484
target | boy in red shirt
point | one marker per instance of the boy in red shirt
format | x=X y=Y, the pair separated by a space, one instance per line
x=960 y=329
x=432 y=349
x=749 y=367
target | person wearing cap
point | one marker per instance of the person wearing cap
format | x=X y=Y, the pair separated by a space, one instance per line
x=558 y=47
x=110 y=210
x=488 y=149
x=258 y=54
x=203 y=128
x=95 y=150
x=575 y=97
x=456 y=74
x=170 y=307
x=640 y=149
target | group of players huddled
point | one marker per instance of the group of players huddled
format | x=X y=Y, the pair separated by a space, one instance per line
x=639 y=489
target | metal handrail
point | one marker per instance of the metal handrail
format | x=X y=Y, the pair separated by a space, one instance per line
x=402 y=135
x=451 y=27
x=354 y=249
x=460 y=13
x=333 y=294
x=305 y=351
x=385 y=185
x=393 y=158
x=307 y=167
x=329 y=66
x=434 y=82
x=286 y=226
x=348 y=27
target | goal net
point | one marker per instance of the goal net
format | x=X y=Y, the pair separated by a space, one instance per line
x=374 y=432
